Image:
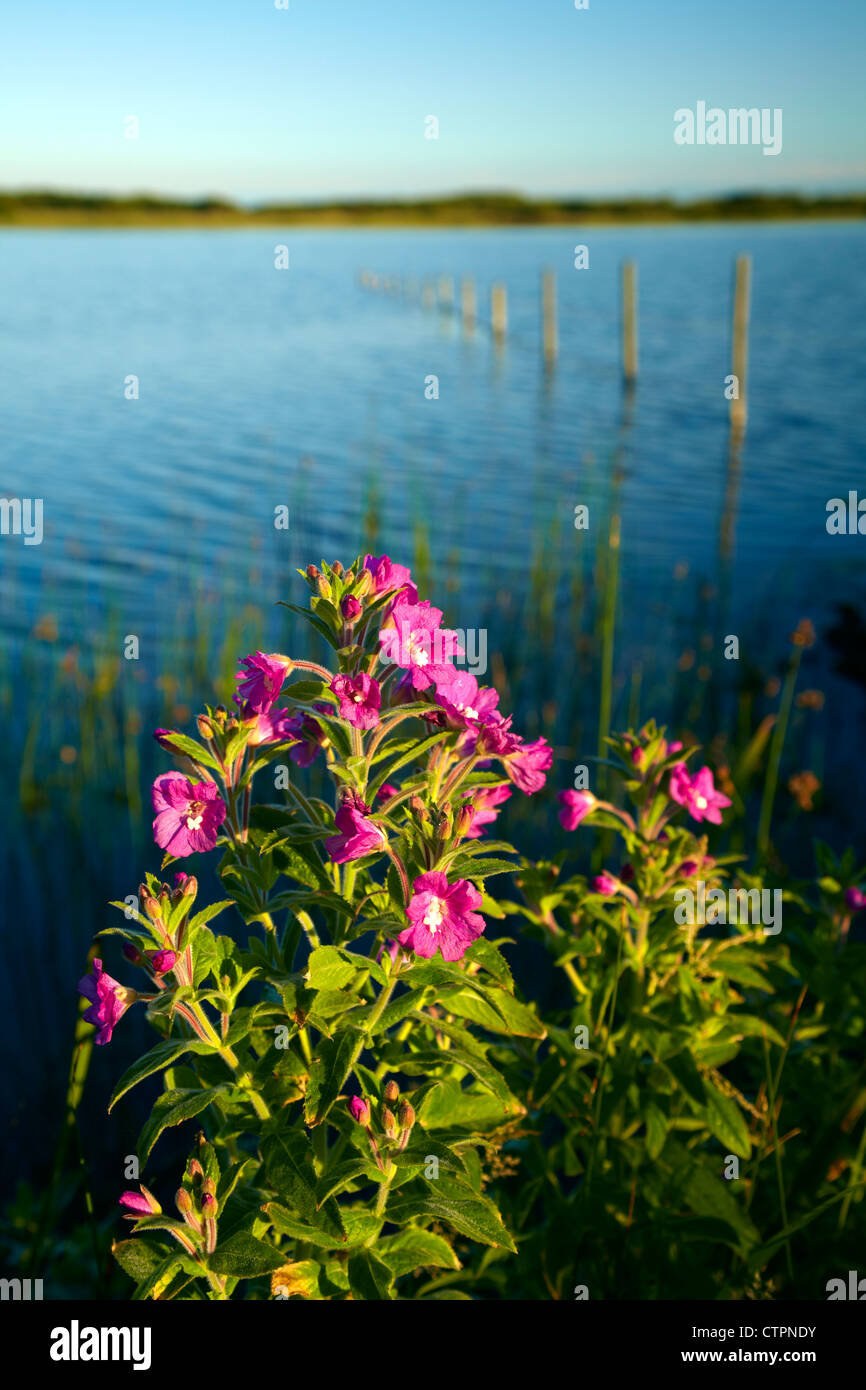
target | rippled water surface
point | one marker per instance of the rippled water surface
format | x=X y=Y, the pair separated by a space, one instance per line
x=260 y=387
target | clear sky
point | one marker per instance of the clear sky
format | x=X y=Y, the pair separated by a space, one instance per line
x=329 y=97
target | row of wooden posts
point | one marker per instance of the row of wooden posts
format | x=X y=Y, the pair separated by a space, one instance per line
x=442 y=291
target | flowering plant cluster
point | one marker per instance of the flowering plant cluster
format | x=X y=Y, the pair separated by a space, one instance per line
x=659 y=1088
x=346 y=1061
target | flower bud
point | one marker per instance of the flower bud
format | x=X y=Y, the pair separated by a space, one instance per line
x=359 y=1110
x=405 y=1115
x=463 y=822
x=350 y=608
x=323 y=587
x=364 y=584
x=163 y=738
x=205 y=727
x=209 y=1206
x=337 y=567
x=195 y=1171
x=389 y=1124
x=190 y=887
x=152 y=908
x=142 y=1203
x=605 y=884
x=161 y=962
x=392 y=1091
x=855 y=898
x=131 y=952
x=183 y=1201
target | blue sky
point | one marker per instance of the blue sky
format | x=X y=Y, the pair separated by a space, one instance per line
x=329 y=98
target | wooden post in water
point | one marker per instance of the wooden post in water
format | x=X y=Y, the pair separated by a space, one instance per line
x=446 y=294
x=629 y=322
x=468 y=306
x=740 y=360
x=549 y=336
x=499 y=314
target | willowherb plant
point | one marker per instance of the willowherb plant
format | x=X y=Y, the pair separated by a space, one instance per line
x=659 y=1088
x=347 y=1060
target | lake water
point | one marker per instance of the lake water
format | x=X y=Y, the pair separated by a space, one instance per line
x=261 y=387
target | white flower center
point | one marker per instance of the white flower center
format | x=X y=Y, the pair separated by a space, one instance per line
x=193 y=822
x=418 y=654
x=468 y=711
x=701 y=803
x=433 y=916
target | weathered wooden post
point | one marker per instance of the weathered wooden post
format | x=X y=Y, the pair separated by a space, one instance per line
x=740 y=360
x=468 y=305
x=629 y=322
x=499 y=313
x=549 y=335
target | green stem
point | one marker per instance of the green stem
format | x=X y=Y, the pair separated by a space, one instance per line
x=772 y=778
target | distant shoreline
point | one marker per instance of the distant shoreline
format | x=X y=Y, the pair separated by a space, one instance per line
x=57 y=210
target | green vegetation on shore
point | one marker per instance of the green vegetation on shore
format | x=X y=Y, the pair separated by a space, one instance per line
x=53 y=209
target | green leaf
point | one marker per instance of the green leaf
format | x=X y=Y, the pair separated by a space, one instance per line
x=155 y=1060
x=344 y=1173
x=331 y=1066
x=328 y=968
x=140 y=1257
x=369 y=1277
x=245 y=1257
x=172 y=1108
x=656 y=1130
x=725 y=1120
x=416 y=1249
x=289 y=1225
x=468 y=1215
x=466 y=866
x=288 y=1160
x=739 y=965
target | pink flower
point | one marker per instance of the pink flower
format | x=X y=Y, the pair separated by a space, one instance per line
x=188 y=814
x=528 y=763
x=697 y=794
x=161 y=962
x=575 y=805
x=305 y=728
x=261 y=681
x=358 y=835
x=855 y=898
x=278 y=726
x=386 y=791
x=359 y=698
x=143 y=1203
x=389 y=578
x=359 y=1110
x=108 y=1001
x=483 y=808
x=688 y=868
x=442 y=916
x=412 y=639
x=465 y=702
x=671 y=748
x=605 y=884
